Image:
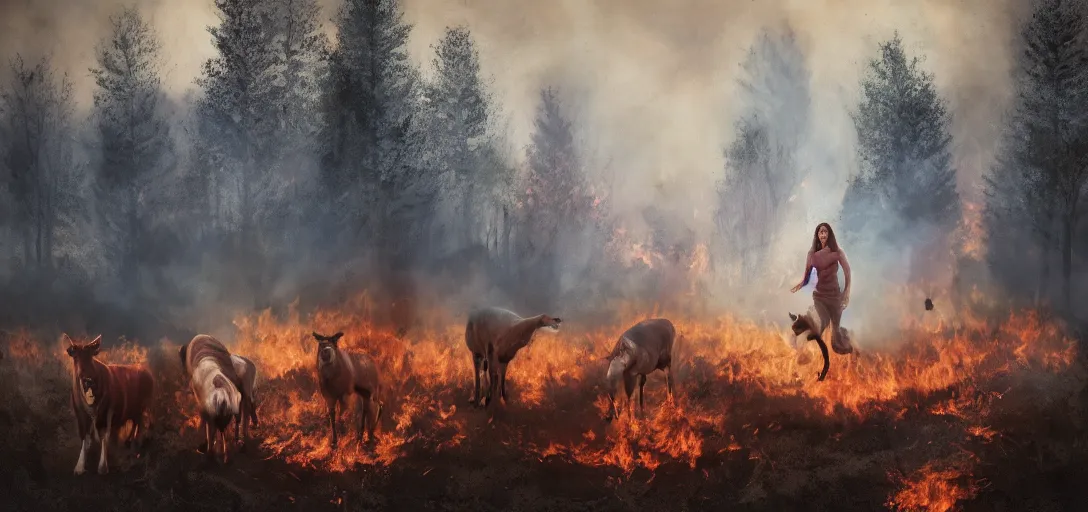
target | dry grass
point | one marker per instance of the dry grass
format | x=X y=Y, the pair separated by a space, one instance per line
x=1006 y=430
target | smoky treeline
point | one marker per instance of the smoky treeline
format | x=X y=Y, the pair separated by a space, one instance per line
x=299 y=167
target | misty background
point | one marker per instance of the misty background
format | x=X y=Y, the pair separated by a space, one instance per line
x=168 y=165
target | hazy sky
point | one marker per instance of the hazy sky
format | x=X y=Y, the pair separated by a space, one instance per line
x=652 y=85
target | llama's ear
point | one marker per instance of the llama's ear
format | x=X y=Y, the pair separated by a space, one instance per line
x=336 y=337
x=793 y=317
x=317 y=336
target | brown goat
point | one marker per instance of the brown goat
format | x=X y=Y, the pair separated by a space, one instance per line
x=642 y=349
x=340 y=375
x=494 y=336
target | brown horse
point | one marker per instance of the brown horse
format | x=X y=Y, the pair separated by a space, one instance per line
x=104 y=398
x=215 y=386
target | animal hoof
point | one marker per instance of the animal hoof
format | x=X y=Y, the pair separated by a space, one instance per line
x=79 y=471
x=102 y=470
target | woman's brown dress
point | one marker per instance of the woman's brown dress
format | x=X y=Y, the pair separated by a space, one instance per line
x=827 y=297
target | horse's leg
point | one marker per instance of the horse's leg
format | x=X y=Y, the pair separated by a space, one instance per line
x=226 y=445
x=477 y=362
x=103 y=466
x=332 y=420
x=629 y=389
x=368 y=420
x=84 y=448
x=209 y=436
x=502 y=385
x=668 y=379
x=641 y=385
x=247 y=414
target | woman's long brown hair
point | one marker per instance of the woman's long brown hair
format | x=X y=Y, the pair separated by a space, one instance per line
x=831 y=243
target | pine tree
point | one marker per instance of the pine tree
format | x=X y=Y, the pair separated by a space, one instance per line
x=298 y=67
x=906 y=171
x=36 y=147
x=238 y=105
x=557 y=202
x=132 y=131
x=762 y=170
x=300 y=50
x=371 y=161
x=458 y=106
x=1038 y=184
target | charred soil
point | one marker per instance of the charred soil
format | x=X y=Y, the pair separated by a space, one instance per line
x=969 y=419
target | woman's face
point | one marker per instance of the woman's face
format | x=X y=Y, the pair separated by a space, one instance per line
x=822 y=235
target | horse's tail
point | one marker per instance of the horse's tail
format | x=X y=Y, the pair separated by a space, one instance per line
x=183 y=353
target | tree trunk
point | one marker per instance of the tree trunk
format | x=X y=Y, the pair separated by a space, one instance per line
x=1044 y=277
x=39 y=225
x=466 y=208
x=1067 y=260
x=50 y=223
x=133 y=245
x=507 y=250
x=28 y=246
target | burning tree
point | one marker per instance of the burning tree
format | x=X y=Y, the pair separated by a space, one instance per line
x=1034 y=192
x=762 y=169
x=133 y=133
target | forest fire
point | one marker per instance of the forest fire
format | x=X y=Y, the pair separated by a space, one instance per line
x=738 y=385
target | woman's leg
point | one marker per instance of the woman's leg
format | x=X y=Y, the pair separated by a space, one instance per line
x=830 y=312
x=840 y=343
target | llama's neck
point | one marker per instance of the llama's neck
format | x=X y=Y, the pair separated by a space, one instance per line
x=522 y=332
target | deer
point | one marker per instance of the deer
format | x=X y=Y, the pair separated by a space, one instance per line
x=215 y=387
x=104 y=398
x=642 y=349
x=340 y=375
x=494 y=336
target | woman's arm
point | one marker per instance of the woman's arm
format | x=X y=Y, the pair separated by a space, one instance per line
x=845 y=271
x=808 y=269
x=808 y=273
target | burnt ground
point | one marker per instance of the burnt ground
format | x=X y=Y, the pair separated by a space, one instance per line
x=777 y=455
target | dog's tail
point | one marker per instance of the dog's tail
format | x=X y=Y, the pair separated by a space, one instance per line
x=823 y=351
